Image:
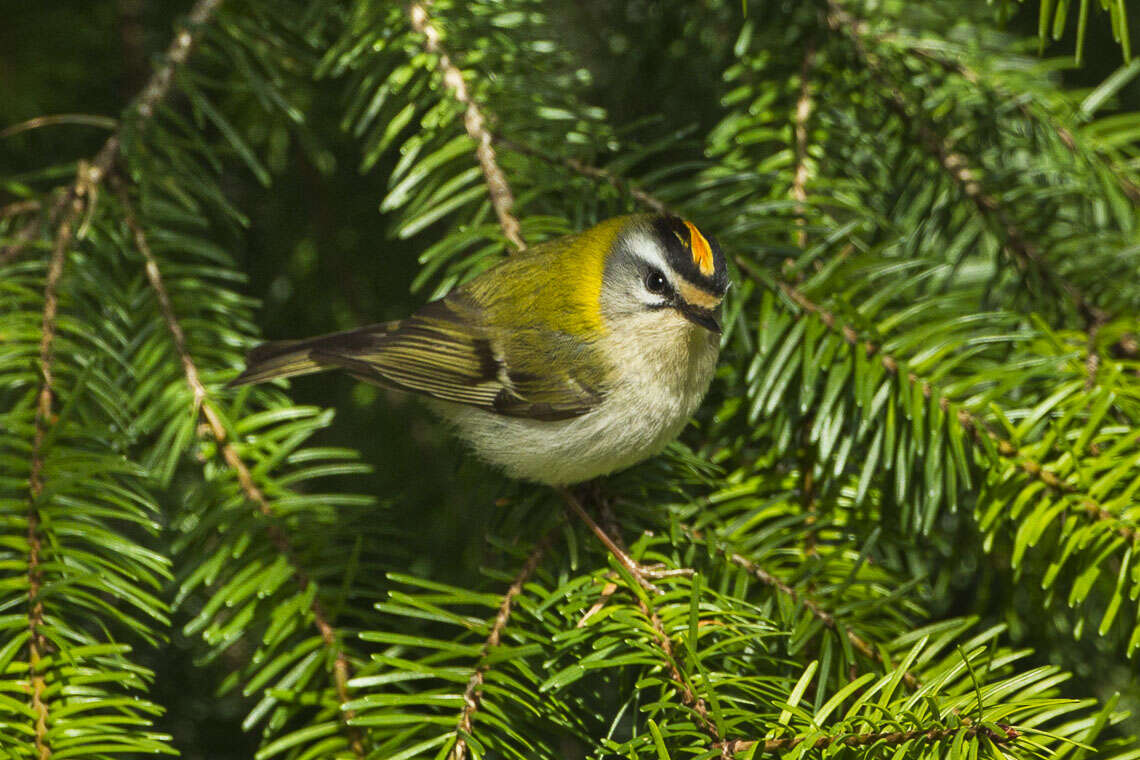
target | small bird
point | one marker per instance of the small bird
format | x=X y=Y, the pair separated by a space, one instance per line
x=574 y=359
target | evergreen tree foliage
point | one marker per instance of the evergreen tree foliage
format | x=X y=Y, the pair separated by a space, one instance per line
x=905 y=519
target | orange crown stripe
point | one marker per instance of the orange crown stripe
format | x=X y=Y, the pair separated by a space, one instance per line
x=702 y=251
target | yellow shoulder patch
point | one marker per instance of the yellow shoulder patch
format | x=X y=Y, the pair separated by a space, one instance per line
x=702 y=251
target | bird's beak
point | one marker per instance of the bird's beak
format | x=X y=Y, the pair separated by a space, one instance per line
x=706 y=318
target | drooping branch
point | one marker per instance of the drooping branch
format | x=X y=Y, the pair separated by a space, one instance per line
x=342 y=670
x=502 y=200
x=473 y=693
x=144 y=106
x=64 y=214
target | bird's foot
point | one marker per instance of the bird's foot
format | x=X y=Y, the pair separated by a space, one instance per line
x=643 y=574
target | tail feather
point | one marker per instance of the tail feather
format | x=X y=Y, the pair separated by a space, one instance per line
x=289 y=358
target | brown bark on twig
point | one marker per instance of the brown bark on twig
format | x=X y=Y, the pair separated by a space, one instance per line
x=664 y=643
x=865 y=648
x=502 y=200
x=800 y=118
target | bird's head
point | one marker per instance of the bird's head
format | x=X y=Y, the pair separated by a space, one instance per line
x=665 y=265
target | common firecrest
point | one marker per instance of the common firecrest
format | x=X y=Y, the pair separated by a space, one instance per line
x=577 y=358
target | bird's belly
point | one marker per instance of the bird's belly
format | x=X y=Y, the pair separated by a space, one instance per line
x=636 y=420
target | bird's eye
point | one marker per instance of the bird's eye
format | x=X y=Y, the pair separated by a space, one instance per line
x=655 y=282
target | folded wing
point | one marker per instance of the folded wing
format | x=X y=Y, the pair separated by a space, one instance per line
x=447 y=351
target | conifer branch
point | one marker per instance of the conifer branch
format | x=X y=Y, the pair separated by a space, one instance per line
x=1007 y=735
x=502 y=200
x=473 y=694
x=688 y=698
x=342 y=670
x=971 y=423
x=145 y=105
x=37 y=642
x=1025 y=254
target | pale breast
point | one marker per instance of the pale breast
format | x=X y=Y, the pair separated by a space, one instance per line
x=663 y=367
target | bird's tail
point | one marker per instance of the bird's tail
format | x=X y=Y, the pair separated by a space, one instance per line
x=289 y=358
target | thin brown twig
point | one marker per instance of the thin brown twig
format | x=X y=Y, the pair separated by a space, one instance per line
x=473 y=694
x=641 y=573
x=593 y=172
x=86 y=119
x=37 y=642
x=476 y=125
x=92 y=174
x=890 y=738
x=800 y=130
x=341 y=667
x=17 y=208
